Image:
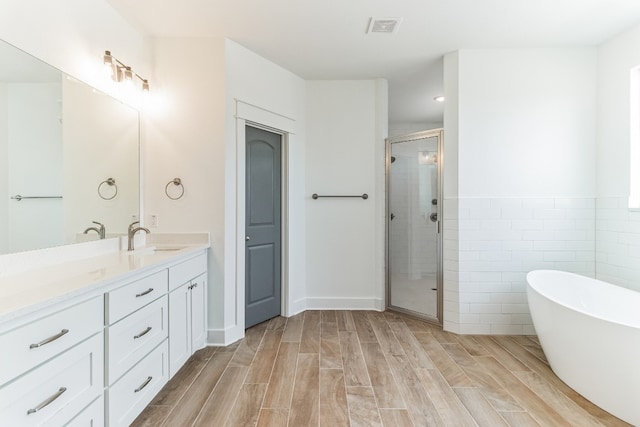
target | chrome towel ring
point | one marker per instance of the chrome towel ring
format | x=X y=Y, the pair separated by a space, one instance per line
x=178 y=183
x=111 y=183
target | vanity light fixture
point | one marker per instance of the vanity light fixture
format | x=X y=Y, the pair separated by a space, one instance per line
x=119 y=71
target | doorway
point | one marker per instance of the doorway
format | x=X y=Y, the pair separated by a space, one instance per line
x=263 y=225
x=414 y=211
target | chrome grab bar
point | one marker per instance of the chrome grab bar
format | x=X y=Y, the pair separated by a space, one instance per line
x=50 y=339
x=364 y=196
x=48 y=401
x=19 y=197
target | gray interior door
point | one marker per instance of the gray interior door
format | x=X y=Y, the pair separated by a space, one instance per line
x=263 y=226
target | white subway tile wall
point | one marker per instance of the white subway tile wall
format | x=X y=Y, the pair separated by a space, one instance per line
x=491 y=244
x=617 y=242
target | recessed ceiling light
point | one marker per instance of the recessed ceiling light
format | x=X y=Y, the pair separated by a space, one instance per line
x=439 y=98
x=384 y=25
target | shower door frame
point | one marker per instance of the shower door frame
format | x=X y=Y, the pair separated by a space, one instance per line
x=439 y=134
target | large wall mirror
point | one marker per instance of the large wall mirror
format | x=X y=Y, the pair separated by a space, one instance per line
x=69 y=155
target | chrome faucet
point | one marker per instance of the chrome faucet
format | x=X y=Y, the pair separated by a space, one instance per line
x=100 y=231
x=132 y=232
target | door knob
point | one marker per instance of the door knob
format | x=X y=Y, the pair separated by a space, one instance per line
x=433 y=217
x=247 y=238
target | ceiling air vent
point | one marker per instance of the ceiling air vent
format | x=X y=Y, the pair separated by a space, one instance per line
x=384 y=25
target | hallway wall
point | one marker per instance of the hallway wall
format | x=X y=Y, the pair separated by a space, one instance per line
x=346 y=128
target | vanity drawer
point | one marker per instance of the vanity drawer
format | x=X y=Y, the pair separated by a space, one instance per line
x=127 y=299
x=57 y=391
x=133 y=392
x=187 y=270
x=91 y=416
x=30 y=345
x=134 y=336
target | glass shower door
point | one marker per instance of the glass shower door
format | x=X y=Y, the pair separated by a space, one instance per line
x=414 y=238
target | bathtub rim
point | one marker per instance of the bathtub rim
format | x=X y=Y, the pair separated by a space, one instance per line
x=598 y=282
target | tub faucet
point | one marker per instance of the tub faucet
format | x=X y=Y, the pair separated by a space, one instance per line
x=100 y=231
x=132 y=232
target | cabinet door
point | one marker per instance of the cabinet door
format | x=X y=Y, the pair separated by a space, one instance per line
x=179 y=328
x=198 y=327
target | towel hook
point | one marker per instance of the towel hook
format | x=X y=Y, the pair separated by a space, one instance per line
x=178 y=183
x=111 y=183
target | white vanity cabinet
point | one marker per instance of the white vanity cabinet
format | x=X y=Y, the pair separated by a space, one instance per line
x=136 y=337
x=98 y=355
x=52 y=367
x=187 y=316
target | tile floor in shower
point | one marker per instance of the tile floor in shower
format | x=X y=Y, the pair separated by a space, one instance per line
x=415 y=294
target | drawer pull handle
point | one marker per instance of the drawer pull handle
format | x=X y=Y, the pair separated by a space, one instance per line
x=50 y=339
x=143 y=385
x=141 y=294
x=143 y=333
x=48 y=401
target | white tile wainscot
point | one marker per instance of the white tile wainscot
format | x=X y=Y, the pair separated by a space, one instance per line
x=490 y=244
x=617 y=242
x=87 y=341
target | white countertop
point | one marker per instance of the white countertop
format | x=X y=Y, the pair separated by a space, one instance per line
x=24 y=293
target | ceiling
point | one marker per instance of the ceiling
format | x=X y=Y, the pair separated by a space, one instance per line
x=327 y=39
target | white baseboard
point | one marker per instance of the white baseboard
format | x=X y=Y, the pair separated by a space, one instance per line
x=224 y=337
x=344 y=304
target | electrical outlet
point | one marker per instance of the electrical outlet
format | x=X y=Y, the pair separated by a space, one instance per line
x=153 y=220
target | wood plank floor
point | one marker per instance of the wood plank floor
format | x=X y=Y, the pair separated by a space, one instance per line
x=364 y=368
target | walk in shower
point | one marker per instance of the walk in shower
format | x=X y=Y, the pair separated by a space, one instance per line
x=414 y=242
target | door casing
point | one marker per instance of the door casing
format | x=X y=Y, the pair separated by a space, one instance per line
x=248 y=114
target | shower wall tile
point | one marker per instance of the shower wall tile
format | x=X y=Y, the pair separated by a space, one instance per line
x=499 y=240
x=617 y=242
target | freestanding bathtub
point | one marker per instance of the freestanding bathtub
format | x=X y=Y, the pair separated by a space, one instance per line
x=590 y=333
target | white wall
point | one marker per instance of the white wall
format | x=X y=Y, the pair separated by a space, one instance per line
x=523 y=131
x=617 y=228
x=403 y=128
x=72 y=35
x=342 y=152
x=527 y=123
x=278 y=93
x=185 y=138
x=192 y=135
